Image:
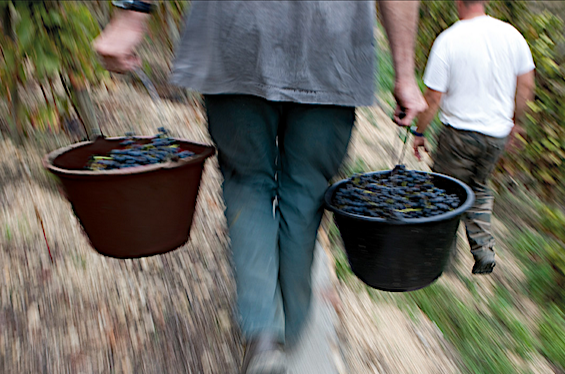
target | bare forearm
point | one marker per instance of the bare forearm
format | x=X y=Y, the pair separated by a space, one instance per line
x=400 y=20
x=524 y=93
x=130 y=19
x=433 y=99
x=426 y=117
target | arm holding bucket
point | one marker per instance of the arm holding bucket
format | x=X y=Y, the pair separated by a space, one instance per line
x=433 y=98
x=436 y=79
x=400 y=19
x=117 y=43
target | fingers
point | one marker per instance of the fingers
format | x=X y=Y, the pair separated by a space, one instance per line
x=121 y=63
x=417 y=151
x=419 y=142
x=131 y=62
x=513 y=146
x=410 y=102
x=510 y=144
x=400 y=116
x=408 y=118
x=113 y=64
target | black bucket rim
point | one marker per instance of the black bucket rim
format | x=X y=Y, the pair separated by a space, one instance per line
x=407 y=221
x=199 y=158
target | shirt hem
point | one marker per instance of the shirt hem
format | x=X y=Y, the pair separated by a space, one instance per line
x=499 y=135
x=434 y=87
x=273 y=93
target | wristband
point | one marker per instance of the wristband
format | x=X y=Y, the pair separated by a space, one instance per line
x=415 y=133
x=134 y=5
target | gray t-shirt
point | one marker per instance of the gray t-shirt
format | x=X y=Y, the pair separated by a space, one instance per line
x=315 y=52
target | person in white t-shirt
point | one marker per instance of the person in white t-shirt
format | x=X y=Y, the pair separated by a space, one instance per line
x=480 y=74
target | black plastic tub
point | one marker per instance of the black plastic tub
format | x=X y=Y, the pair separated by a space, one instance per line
x=404 y=255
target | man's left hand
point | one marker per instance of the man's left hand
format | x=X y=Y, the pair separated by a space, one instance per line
x=419 y=142
x=409 y=101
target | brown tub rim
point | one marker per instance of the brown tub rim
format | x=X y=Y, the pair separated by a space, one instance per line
x=199 y=157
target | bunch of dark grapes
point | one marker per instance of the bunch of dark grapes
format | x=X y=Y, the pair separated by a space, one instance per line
x=397 y=195
x=132 y=153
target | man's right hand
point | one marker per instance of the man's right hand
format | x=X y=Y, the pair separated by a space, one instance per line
x=410 y=102
x=400 y=19
x=116 y=44
x=514 y=143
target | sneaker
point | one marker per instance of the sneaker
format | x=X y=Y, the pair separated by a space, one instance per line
x=263 y=355
x=484 y=261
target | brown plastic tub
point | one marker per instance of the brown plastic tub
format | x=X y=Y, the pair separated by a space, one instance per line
x=134 y=212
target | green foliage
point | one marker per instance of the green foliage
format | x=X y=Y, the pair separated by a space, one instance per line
x=541 y=163
x=435 y=16
x=384 y=73
x=166 y=21
x=543 y=159
x=8 y=233
x=53 y=38
x=343 y=270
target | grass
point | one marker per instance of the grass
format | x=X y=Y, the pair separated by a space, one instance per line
x=552 y=334
x=356 y=167
x=343 y=271
x=543 y=261
x=540 y=249
x=385 y=79
x=368 y=113
x=8 y=233
x=482 y=339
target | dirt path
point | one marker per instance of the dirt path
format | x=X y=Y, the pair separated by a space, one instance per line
x=173 y=313
x=90 y=314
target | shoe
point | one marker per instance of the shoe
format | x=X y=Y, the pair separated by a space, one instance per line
x=484 y=261
x=263 y=355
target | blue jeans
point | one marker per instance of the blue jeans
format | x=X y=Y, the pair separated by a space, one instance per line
x=276 y=159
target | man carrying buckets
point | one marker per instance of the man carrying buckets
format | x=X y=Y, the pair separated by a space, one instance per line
x=281 y=80
x=480 y=73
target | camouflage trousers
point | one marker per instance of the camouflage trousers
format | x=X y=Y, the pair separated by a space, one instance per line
x=471 y=157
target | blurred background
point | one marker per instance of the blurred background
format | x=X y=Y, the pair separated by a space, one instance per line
x=74 y=311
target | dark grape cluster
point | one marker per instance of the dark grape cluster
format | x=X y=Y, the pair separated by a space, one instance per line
x=396 y=195
x=134 y=153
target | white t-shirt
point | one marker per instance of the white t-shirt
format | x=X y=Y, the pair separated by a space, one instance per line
x=475 y=64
